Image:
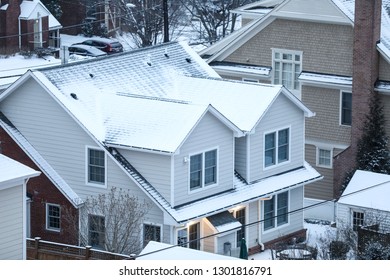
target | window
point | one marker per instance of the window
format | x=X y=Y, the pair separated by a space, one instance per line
x=96 y=231
x=357 y=219
x=96 y=166
x=240 y=216
x=346 y=108
x=53 y=215
x=203 y=169
x=276 y=147
x=151 y=232
x=276 y=211
x=324 y=157
x=287 y=67
x=189 y=237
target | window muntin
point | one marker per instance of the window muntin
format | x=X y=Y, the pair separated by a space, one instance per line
x=324 y=157
x=96 y=166
x=53 y=217
x=346 y=108
x=189 y=237
x=276 y=211
x=276 y=147
x=151 y=233
x=287 y=68
x=203 y=169
x=96 y=231
x=357 y=219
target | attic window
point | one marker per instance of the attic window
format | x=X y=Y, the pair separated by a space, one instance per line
x=74 y=96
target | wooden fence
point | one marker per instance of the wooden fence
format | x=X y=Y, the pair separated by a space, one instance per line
x=38 y=249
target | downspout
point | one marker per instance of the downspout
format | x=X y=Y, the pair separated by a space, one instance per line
x=262 y=246
x=19 y=30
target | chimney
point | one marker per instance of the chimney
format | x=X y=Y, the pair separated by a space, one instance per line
x=365 y=73
x=12 y=25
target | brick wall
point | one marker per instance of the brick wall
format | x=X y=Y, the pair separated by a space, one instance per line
x=365 y=74
x=41 y=191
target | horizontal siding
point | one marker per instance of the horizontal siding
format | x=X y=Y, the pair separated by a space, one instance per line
x=208 y=243
x=11 y=223
x=209 y=134
x=295 y=219
x=155 y=168
x=282 y=114
x=325 y=124
x=240 y=156
x=322 y=189
x=326 y=47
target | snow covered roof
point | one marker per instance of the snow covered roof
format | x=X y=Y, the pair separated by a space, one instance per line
x=325 y=79
x=152 y=98
x=33 y=10
x=55 y=178
x=161 y=251
x=13 y=171
x=368 y=190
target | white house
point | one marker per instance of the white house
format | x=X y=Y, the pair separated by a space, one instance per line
x=13 y=180
x=365 y=201
x=219 y=160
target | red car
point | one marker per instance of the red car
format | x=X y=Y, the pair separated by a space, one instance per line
x=106 y=45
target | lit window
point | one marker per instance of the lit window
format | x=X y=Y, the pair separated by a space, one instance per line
x=276 y=147
x=203 y=169
x=346 y=108
x=287 y=68
x=276 y=211
x=53 y=214
x=96 y=166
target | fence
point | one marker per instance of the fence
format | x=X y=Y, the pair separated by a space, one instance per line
x=38 y=249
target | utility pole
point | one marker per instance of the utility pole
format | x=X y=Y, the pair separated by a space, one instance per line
x=166 y=28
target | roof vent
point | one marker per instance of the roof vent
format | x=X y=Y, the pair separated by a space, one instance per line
x=166 y=53
x=188 y=60
x=149 y=60
x=74 y=96
x=91 y=75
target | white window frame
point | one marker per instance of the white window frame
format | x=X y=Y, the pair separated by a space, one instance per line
x=48 y=227
x=275 y=210
x=99 y=232
x=87 y=181
x=277 y=163
x=341 y=108
x=319 y=148
x=187 y=230
x=293 y=62
x=203 y=186
x=358 y=211
x=153 y=225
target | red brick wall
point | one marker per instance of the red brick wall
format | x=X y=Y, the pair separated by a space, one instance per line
x=365 y=74
x=42 y=191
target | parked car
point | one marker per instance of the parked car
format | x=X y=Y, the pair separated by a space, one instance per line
x=85 y=50
x=109 y=46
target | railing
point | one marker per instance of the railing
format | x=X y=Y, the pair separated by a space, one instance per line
x=38 y=249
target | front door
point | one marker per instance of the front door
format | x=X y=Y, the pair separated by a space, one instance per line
x=37 y=32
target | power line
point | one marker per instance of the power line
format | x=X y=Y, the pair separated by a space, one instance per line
x=262 y=220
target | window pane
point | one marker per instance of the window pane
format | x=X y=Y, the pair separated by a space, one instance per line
x=358 y=220
x=240 y=216
x=270 y=149
x=282 y=208
x=287 y=75
x=324 y=157
x=296 y=76
x=283 y=144
x=96 y=168
x=182 y=238
x=277 y=73
x=269 y=213
x=53 y=217
x=210 y=167
x=151 y=232
x=346 y=108
x=196 y=171
x=96 y=231
x=194 y=235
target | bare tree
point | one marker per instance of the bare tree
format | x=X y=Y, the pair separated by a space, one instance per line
x=214 y=16
x=111 y=221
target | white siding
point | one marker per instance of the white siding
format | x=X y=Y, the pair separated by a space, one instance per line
x=155 y=168
x=253 y=230
x=209 y=134
x=11 y=223
x=282 y=114
x=208 y=243
x=240 y=156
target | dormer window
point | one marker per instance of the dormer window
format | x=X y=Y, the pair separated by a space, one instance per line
x=203 y=169
x=276 y=147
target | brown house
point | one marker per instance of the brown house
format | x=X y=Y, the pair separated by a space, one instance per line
x=332 y=54
x=27 y=25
